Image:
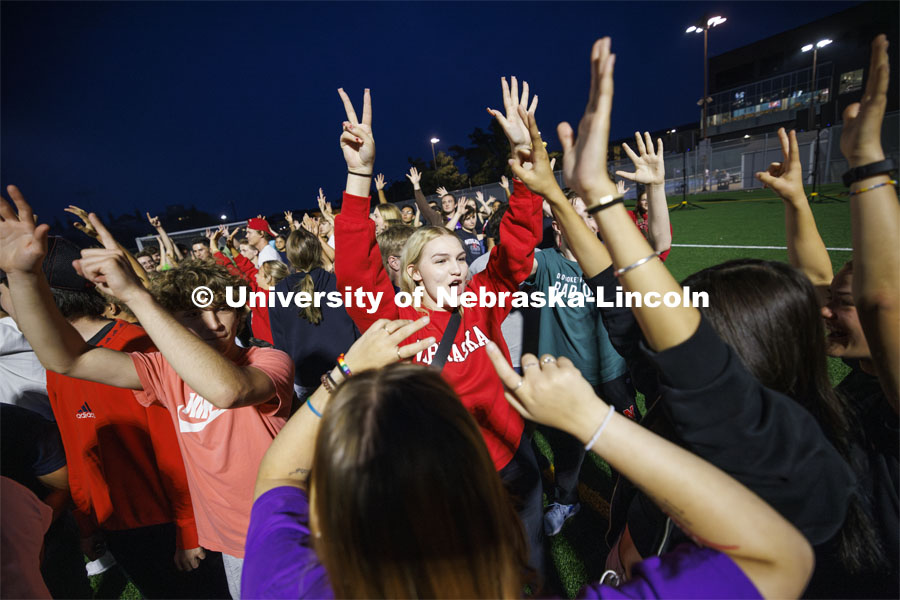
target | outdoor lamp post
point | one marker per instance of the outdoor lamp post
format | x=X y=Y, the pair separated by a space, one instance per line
x=705 y=25
x=434 y=141
x=812 y=88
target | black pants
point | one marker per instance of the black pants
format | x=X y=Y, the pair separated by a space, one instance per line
x=568 y=452
x=146 y=556
x=63 y=563
x=522 y=479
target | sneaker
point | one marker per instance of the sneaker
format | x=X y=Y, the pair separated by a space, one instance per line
x=557 y=515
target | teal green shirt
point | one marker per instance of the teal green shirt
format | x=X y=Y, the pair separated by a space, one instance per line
x=574 y=332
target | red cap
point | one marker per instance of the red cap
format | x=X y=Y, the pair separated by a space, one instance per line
x=260 y=225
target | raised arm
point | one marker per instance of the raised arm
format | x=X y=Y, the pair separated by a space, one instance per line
x=806 y=250
x=360 y=265
x=379 y=185
x=875 y=219
x=457 y=214
x=57 y=344
x=86 y=228
x=650 y=169
x=170 y=247
x=431 y=216
x=663 y=326
x=289 y=458
x=717 y=511
x=193 y=359
x=504 y=183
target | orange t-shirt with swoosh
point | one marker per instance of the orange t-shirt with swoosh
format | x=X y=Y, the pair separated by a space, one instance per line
x=222 y=448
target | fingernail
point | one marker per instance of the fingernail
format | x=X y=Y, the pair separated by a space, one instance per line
x=492 y=347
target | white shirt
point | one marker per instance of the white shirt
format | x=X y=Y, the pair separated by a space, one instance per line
x=23 y=380
x=266 y=254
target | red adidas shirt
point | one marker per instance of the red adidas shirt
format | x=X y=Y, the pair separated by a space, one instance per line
x=468 y=368
x=125 y=466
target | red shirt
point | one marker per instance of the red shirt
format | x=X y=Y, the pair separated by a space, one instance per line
x=125 y=466
x=641 y=222
x=468 y=368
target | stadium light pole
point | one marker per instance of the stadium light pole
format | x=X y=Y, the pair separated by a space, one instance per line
x=704 y=25
x=434 y=141
x=812 y=88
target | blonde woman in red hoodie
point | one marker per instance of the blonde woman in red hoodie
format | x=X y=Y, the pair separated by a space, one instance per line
x=434 y=260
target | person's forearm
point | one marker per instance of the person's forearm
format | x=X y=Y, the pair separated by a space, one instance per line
x=658 y=217
x=382 y=199
x=451 y=224
x=289 y=458
x=169 y=244
x=327 y=250
x=663 y=326
x=194 y=360
x=875 y=218
x=55 y=342
x=589 y=251
x=431 y=216
x=136 y=266
x=707 y=510
x=806 y=250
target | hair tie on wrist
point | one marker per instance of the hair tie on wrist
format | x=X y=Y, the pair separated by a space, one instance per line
x=605 y=202
x=596 y=436
x=360 y=174
x=313 y=408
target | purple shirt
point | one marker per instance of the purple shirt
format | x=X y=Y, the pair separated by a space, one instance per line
x=279 y=562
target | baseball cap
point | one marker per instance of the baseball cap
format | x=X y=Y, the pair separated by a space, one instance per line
x=260 y=225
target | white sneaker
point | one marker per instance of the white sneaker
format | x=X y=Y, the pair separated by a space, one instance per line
x=557 y=515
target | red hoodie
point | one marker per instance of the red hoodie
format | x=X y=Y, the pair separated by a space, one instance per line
x=468 y=368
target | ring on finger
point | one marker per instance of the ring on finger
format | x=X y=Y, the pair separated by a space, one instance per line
x=529 y=365
x=518 y=385
x=399 y=356
x=548 y=359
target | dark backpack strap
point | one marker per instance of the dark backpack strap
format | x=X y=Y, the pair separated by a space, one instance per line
x=443 y=351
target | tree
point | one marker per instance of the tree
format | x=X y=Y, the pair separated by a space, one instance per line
x=447 y=175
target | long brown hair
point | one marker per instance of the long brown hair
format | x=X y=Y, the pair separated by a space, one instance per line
x=406 y=499
x=305 y=254
x=768 y=312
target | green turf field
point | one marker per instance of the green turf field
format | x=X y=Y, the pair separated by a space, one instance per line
x=753 y=218
x=738 y=218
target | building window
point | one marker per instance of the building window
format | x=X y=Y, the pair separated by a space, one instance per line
x=851 y=81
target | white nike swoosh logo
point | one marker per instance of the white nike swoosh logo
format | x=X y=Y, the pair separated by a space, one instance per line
x=187 y=426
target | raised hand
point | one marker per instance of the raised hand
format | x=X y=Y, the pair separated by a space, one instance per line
x=23 y=243
x=785 y=178
x=325 y=208
x=442 y=191
x=108 y=267
x=208 y=233
x=480 y=197
x=289 y=217
x=490 y=201
x=552 y=391
x=379 y=181
x=504 y=183
x=861 y=136
x=84 y=226
x=621 y=189
x=536 y=175
x=154 y=221
x=650 y=168
x=414 y=177
x=584 y=160
x=357 y=142
x=380 y=345
x=513 y=126
x=310 y=224
x=461 y=207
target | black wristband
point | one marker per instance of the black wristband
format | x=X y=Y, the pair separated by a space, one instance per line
x=360 y=174
x=882 y=167
x=599 y=207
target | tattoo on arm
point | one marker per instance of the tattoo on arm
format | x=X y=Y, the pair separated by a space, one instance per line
x=299 y=471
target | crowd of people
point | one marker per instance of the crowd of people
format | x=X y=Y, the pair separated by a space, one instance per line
x=285 y=451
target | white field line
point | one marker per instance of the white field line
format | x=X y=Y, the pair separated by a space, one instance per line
x=751 y=247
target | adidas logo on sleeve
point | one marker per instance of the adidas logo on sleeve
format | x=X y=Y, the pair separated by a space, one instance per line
x=85 y=412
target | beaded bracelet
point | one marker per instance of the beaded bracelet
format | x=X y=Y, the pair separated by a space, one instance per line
x=873 y=187
x=342 y=365
x=328 y=382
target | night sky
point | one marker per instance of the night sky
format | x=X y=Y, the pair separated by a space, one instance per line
x=116 y=106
